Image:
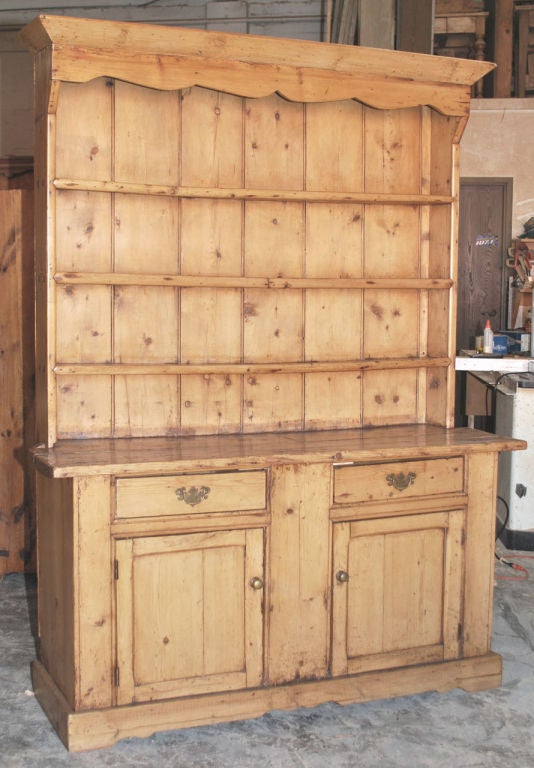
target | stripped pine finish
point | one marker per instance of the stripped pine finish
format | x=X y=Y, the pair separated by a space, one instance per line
x=206 y=296
x=225 y=181
x=250 y=493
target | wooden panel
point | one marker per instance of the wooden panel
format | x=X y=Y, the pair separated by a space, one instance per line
x=94 y=684
x=212 y=130
x=56 y=582
x=84 y=407
x=146 y=324
x=272 y=403
x=274 y=239
x=274 y=144
x=298 y=603
x=200 y=639
x=437 y=408
x=83 y=404
x=332 y=400
x=84 y=154
x=211 y=320
x=398 y=606
x=146 y=330
x=17 y=424
x=374 y=482
x=441 y=259
x=214 y=237
x=273 y=329
x=152 y=496
x=393 y=140
x=443 y=133
x=414 y=564
x=438 y=322
x=391 y=321
x=389 y=397
x=145 y=234
x=211 y=404
x=333 y=325
x=84 y=317
x=147 y=120
x=83 y=231
x=334 y=145
x=146 y=405
x=333 y=240
x=392 y=241
x=480 y=540
x=211 y=325
x=45 y=331
x=210 y=237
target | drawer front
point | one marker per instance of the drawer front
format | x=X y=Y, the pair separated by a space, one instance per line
x=190 y=494
x=379 y=482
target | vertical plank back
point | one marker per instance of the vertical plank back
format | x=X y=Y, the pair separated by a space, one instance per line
x=203 y=139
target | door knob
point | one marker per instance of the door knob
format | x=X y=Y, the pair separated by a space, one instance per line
x=342 y=576
x=256 y=583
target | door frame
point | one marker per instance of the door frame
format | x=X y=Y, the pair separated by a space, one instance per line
x=507 y=182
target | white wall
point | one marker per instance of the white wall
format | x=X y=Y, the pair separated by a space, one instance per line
x=498 y=143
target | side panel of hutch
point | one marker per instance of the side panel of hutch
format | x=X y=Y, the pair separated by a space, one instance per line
x=250 y=493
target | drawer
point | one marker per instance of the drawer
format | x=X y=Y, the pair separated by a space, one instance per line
x=379 y=482
x=190 y=494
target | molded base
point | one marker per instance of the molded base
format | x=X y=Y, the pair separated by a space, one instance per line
x=93 y=729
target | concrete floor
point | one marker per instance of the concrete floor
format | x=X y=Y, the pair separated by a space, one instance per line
x=452 y=730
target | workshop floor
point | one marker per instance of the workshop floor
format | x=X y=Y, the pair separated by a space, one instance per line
x=452 y=730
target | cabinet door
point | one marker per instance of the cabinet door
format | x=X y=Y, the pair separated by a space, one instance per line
x=189 y=614
x=397 y=586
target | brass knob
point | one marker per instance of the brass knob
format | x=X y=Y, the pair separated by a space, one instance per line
x=256 y=583
x=342 y=576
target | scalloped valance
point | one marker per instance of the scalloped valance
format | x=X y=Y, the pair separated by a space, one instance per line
x=169 y=58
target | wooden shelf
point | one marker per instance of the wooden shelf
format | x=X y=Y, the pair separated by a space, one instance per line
x=129 y=369
x=276 y=283
x=218 y=193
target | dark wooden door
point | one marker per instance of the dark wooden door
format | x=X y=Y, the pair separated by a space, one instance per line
x=484 y=236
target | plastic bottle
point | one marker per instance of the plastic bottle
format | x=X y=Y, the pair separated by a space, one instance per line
x=488 y=338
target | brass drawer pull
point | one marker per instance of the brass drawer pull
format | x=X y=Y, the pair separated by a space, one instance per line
x=193 y=495
x=256 y=583
x=401 y=481
x=342 y=576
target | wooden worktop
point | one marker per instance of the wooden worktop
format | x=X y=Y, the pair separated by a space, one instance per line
x=74 y=458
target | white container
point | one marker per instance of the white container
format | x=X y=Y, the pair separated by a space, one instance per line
x=488 y=339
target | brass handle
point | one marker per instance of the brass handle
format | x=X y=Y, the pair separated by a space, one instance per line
x=256 y=583
x=193 y=495
x=342 y=576
x=401 y=481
